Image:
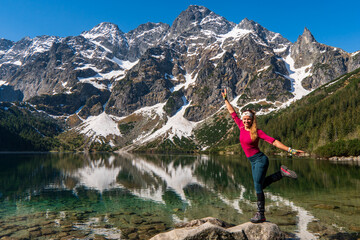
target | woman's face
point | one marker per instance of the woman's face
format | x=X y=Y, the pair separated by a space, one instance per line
x=247 y=120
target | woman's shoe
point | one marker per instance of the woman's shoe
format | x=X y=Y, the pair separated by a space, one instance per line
x=259 y=215
x=258 y=218
x=285 y=172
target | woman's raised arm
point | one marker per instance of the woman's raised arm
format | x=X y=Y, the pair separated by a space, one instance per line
x=227 y=103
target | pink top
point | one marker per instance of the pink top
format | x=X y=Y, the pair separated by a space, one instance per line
x=250 y=148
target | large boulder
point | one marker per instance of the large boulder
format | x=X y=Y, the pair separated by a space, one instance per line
x=212 y=228
x=262 y=231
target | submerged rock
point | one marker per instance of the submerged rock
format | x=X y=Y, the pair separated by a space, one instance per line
x=326 y=206
x=212 y=228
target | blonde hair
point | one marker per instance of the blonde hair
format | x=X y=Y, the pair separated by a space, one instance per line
x=253 y=128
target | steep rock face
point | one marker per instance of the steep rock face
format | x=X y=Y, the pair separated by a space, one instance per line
x=58 y=69
x=145 y=84
x=174 y=103
x=246 y=68
x=83 y=97
x=110 y=37
x=20 y=51
x=143 y=37
x=326 y=62
x=325 y=68
x=354 y=61
x=306 y=49
x=205 y=95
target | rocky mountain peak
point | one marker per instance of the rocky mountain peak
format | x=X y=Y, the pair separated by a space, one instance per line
x=105 y=29
x=262 y=34
x=307 y=37
x=196 y=18
x=147 y=28
x=109 y=36
x=305 y=49
x=247 y=24
x=5 y=44
x=20 y=46
x=196 y=9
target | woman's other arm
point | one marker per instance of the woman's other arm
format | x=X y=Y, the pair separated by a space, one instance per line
x=281 y=146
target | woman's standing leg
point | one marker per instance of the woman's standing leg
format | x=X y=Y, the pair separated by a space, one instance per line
x=259 y=166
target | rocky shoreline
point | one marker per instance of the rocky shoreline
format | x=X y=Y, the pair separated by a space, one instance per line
x=212 y=228
x=76 y=226
x=352 y=160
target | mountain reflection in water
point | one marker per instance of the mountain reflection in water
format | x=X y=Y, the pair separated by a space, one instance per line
x=180 y=188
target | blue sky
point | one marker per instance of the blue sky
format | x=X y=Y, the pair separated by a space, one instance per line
x=335 y=23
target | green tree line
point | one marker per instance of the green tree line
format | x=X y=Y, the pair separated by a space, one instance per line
x=326 y=122
x=22 y=128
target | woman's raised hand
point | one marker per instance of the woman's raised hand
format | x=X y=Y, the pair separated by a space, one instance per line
x=224 y=95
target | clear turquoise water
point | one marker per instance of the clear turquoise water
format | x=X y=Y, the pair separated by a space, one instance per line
x=136 y=196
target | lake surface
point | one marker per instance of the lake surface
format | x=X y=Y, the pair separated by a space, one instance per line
x=112 y=196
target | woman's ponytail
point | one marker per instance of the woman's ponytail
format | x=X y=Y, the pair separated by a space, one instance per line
x=253 y=128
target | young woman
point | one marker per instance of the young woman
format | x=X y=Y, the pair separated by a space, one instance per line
x=249 y=140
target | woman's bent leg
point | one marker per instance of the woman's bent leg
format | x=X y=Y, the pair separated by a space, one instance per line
x=284 y=172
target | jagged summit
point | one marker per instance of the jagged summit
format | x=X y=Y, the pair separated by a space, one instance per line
x=262 y=34
x=5 y=44
x=104 y=28
x=197 y=8
x=307 y=37
x=109 y=36
x=247 y=24
x=146 y=27
x=196 y=18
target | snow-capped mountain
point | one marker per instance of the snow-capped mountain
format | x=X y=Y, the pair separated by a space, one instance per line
x=161 y=81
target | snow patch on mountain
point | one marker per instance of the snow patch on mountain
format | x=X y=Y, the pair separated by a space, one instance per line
x=41 y=44
x=152 y=111
x=296 y=75
x=218 y=56
x=355 y=53
x=95 y=81
x=101 y=125
x=189 y=80
x=126 y=65
x=263 y=69
x=17 y=62
x=3 y=83
x=115 y=74
x=176 y=125
x=280 y=50
x=236 y=33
